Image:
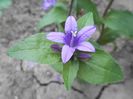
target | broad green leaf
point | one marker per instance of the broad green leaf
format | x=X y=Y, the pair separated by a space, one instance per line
x=5 y=4
x=108 y=36
x=95 y=44
x=100 y=69
x=70 y=70
x=35 y=48
x=120 y=21
x=58 y=66
x=89 y=6
x=85 y=20
x=56 y=15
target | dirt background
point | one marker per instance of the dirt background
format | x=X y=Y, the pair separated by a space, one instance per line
x=27 y=80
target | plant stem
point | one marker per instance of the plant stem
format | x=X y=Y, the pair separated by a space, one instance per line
x=104 y=14
x=71 y=7
x=108 y=7
x=101 y=91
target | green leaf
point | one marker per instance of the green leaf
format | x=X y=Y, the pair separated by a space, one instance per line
x=108 y=36
x=60 y=28
x=85 y=20
x=56 y=15
x=100 y=69
x=5 y=4
x=58 y=66
x=120 y=21
x=70 y=70
x=35 y=48
x=89 y=6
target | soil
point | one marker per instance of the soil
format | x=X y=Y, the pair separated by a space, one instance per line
x=28 y=80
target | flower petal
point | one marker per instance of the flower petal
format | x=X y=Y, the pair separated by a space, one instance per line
x=70 y=25
x=56 y=37
x=48 y=4
x=86 y=32
x=86 y=46
x=67 y=53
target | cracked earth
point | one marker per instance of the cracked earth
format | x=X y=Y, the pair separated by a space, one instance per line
x=28 y=80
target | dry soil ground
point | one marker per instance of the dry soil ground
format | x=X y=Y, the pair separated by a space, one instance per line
x=18 y=80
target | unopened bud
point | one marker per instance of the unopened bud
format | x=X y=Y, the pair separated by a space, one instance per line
x=84 y=56
x=56 y=48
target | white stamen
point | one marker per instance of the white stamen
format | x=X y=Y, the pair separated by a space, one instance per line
x=74 y=33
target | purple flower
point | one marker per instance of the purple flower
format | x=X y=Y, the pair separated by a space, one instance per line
x=56 y=47
x=72 y=39
x=84 y=56
x=48 y=4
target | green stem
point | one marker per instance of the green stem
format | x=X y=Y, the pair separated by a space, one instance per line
x=108 y=7
x=71 y=7
x=104 y=14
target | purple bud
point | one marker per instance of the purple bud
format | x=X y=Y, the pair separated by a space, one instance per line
x=84 y=56
x=56 y=48
x=47 y=4
x=58 y=78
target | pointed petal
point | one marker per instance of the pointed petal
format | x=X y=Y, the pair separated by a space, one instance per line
x=67 y=53
x=86 y=46
x=56 y=37
x=86 y=32
x=70 y=25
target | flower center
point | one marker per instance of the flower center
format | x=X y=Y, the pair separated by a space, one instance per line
x=74 y=33
x=72 y=41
